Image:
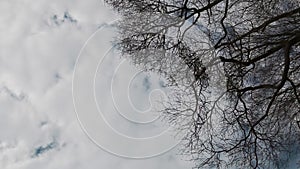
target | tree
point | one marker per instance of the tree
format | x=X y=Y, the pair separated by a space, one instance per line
x=235 y=68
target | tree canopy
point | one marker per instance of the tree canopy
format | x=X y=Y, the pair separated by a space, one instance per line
x=235 y=68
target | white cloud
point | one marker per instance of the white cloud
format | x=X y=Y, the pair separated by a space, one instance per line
x=39 y=46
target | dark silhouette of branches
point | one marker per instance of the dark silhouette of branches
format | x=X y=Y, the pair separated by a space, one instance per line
x=235 y=68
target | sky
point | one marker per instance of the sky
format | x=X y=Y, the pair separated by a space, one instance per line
x=42 y=43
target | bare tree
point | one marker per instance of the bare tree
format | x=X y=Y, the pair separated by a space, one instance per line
x=235 y=68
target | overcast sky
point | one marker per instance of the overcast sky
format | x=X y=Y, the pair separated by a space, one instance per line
x=39 y=45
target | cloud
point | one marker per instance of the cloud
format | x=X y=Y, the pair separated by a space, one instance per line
x=40 y=41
